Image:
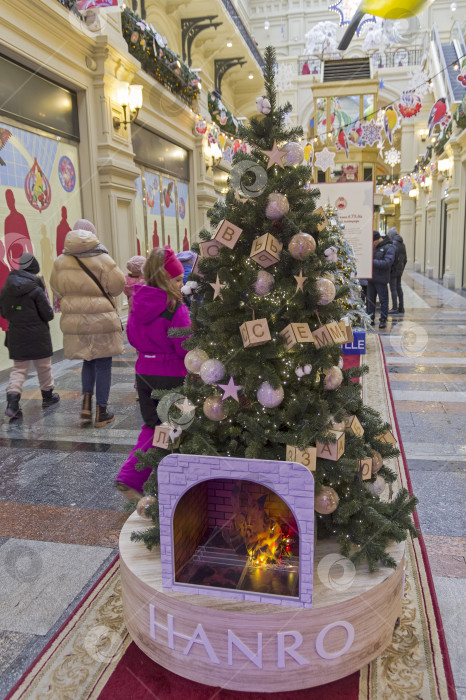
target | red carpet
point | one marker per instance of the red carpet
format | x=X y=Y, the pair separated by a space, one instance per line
x=136 y=676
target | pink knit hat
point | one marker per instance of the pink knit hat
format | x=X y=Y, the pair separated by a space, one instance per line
x=172 y=264
x=135 y=264
x=85 y=225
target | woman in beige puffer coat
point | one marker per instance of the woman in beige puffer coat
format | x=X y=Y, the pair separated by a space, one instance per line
x=90 y=323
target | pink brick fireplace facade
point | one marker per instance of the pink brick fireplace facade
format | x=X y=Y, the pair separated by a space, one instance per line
x=292 y=483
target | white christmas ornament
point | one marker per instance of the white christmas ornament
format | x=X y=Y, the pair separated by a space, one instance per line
x=307 y=369
x=264 y=283
x=263 y=105
x=333 y=378
x=324 y=159
x=268 y=396
x=340 y=363
x=175 y=432
x=326 y=290
x=299 y=371
x=377 y=487
x=194 y=360
x=294 y=153
x=212 y=371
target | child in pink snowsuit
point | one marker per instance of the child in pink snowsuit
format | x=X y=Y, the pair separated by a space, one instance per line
x=136 y=276
x=157 y=306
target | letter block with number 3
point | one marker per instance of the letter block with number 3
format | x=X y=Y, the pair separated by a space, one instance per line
x=306 y=457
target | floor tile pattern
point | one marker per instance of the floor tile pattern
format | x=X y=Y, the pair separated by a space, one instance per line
x=60 y=515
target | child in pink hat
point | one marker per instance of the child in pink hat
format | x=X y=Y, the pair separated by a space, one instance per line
x=135 y=267
x=157 y=307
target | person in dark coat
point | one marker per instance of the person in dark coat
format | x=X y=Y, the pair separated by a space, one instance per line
x=24 y=304
x=397 y=271
x=383 y=258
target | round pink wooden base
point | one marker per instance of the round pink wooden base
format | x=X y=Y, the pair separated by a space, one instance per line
x=249 y=645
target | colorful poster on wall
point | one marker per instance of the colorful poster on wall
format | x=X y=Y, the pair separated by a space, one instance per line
x=153 y=210
x=354 y=204
x=183 y=214
x=139 y=217
x=169 y=213
x=39 y=202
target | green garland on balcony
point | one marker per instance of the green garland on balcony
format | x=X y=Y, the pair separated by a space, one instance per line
x=221 y=115
x=157 y=60
x=460 y=115
x=445 y=136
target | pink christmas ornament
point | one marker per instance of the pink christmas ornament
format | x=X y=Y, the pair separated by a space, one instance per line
x=326 y=501
x=326 y=290
x=194 y=360
x=213 y=408
x=264 y=283
x=301 y=245
x=277 y=206
x=333 y=378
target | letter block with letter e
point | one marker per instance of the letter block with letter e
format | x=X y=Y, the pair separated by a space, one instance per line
x=353 y=425
x=227 y=233
x=255 y=333
x=365 y=468
x=266 y=250
x=306 y=457
x=210 y=249
x=333 y=450
x=297 y=333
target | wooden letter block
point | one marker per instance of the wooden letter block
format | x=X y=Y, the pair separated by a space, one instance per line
x=336 y=332
x=365 y=468
x=323 y=224
x=347 y=331
x=353 y=425
x=162 y=436
x=307 y=457
x=210 y=249
x=297 y=333
x=195 y=270
x=227 y=233
x=266 y=250
x=255 y=332
x=387 y=436
x=322 y=337
x=333 y=450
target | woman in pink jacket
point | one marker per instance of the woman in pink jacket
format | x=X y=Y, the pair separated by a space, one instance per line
x=157 y=306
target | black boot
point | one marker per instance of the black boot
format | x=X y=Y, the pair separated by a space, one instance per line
x=13 y=409
x=86 y=410
x=49 y=398
x=102 y=416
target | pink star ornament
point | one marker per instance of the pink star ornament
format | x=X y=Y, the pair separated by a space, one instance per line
x=230 y=390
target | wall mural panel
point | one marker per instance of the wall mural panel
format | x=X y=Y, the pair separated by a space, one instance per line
x=40 y=200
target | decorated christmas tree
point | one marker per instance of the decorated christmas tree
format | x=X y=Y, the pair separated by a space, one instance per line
x=265 y=379
x=342 y=254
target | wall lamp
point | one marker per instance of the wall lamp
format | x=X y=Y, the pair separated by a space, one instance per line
x=444 y=165
x=130 y=99
x=423 y=133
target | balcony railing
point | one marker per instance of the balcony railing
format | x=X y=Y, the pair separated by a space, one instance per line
x=244 y=32
x=397 y=58
x=71 y=5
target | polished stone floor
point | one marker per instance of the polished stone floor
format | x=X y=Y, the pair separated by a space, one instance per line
x=60 y=515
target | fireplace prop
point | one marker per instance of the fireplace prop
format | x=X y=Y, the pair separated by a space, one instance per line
x=237 y=528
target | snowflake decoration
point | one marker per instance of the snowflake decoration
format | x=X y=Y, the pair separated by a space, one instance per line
x=419 y=82
x=371 y=133
x=284 y=77
x=347 y=9
x=287 y=122
x=324 y=159
x=380 y=117
x=392 y=157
